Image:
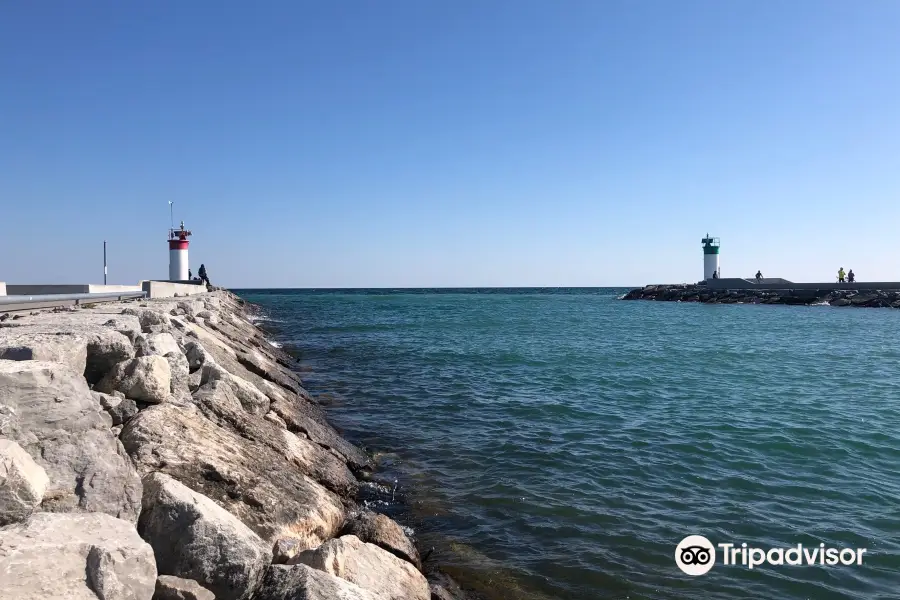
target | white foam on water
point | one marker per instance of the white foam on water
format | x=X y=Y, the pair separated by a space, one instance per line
x=275 y=344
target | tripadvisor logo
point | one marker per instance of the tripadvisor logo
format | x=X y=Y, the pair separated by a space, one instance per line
x=696 y=555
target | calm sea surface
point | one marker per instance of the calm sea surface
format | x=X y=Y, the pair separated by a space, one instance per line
x=560 y=443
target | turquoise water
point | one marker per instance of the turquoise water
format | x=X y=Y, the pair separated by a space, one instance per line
x=560 y=443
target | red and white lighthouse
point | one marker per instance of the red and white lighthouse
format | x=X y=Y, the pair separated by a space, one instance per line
x=178 y=254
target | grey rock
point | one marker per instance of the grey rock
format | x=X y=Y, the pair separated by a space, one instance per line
x=260 y=365
x=162 y=344
x=180 y=386
x=284 y=550
x=49 y=410
x=104 y=350
x=260 y=486
x=252 y=400
x=197 y=355
x=380 y=530
x=146 y=378
x=24 y=343
x=369 y=567
x=169 y=587
x=152 y=321
x=443 y=587
x=195 y=538
x=223 y=403
x=276 y=420
x=301 y=416
x=120 y=408
x=300 y=582
x=75 y=557
x=22 y=483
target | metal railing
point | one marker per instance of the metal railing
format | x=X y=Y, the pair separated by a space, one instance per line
x=14 y=303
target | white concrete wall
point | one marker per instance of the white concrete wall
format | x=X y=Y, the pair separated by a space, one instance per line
x=101 y=289
x=168 y=289
x=2 y=288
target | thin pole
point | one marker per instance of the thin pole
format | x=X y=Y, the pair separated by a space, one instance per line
x=171 y=217
x=104 y=262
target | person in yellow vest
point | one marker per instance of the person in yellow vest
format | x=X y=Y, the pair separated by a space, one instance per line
x=841 y=275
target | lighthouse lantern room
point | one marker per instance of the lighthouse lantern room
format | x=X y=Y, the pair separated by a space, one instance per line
x=178 y=254
x=711 y=257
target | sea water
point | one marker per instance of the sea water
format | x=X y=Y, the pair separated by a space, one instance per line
x=560 y=443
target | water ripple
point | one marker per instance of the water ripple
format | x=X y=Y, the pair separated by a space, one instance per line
x=558 y=444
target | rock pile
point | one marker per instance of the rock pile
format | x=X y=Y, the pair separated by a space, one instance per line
x=164 y=449
x=700 y=293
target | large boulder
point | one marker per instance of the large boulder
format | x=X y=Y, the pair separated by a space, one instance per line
x=105 y=349
x=197 y=355
x=252 y=400
x=225 y=350
x=300 y=582
x=75 y=557
x=195 y=538
x=22 y=483
x=152 y=321
x=256 y=363
x=146 y=378
x=180 y=375
x=169 y=587
x=49 y=410
x=303 y=417
x=226 y=405
x=260 y=486
x=25 y=343
x=380 y=530
x=369 y=567
x=162 y=344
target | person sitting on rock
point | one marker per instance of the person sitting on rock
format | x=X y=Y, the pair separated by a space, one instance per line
x=759 y=276
x=203 y=276
x=841 y=275
x=850 y=276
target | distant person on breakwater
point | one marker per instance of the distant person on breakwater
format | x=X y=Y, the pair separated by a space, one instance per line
x=715 y=274
x=190 y=275
x=759 y=276
x=841 y=275
x=202 y=273
x=850 y=276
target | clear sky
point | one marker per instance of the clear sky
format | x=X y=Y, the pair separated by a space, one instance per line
x=451 y=142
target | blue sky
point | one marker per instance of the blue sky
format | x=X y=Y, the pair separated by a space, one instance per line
x=450 y=143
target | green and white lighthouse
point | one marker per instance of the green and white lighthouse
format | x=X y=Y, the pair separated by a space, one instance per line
x=710 y=257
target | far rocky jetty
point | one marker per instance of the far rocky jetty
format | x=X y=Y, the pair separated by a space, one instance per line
x=701 y=293
x=164 y=449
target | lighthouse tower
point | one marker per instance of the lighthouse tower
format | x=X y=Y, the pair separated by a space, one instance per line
x=710 y=257
x=178 y=254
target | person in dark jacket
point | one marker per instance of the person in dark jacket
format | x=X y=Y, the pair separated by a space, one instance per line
x=202 y=274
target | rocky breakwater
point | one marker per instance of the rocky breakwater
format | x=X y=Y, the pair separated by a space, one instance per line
x=164 y=449
x=701 y=293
